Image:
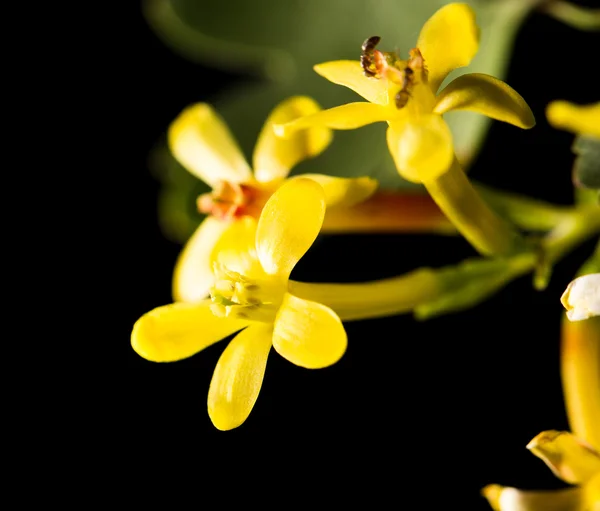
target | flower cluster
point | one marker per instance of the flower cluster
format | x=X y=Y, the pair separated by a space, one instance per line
x=233 y=279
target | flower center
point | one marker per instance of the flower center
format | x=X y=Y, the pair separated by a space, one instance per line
x=227 y=200
x=230 y=200
x=406 y=75
x=239 y=296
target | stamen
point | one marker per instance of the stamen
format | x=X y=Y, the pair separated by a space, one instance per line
x=238 y=296
x=388 y=65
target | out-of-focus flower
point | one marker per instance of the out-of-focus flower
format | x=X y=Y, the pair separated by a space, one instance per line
x=571 y=460
x=404 y=93
x=201 y=142
x=582 y=297
x=578 y=119
x=250 y=292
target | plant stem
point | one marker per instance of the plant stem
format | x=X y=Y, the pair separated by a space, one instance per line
x=464 y=207
x=379 y=298
x=398 y=295
x=525 y=212
x=573 y=15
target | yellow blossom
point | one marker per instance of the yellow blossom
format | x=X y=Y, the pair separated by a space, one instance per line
x=578 y=119
x=201 y=142
x=404 y=93
x=250 y=293
x=572 y=460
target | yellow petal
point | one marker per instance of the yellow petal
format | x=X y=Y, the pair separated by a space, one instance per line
x=503 y=498
x=308 y=334
x=344 y=192
x=349 y=73
x=275 y=156
x=201 y=142
x=449 y=39
x=345 y=117
x=238 y=377
x=193 y=273
x=582 y=297
x=571 y=459
x=289 y=224
x=179 y=330
x=421 y=148
x=579 y=119
x=488 y=96
x=236 y=249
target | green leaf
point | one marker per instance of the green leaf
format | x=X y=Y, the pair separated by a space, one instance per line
x=586 y=170
x=279 y=42
x=177 y=212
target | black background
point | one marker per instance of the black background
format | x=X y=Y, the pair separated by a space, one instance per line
x=428 y=411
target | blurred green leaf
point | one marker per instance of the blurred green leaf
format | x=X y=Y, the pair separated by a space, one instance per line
x=586 y=169
x=573 y=15
x=177 y=212
x=281 y=41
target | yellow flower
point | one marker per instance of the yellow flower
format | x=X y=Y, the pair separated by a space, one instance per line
x=404 y=93
x=573 y=461
x=582 y=297
x=578 y=119
x=250 y=292
x=201 y=142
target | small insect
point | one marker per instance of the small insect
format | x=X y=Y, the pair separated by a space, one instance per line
x=404 y=94
x=415 y=62
x=367 y=57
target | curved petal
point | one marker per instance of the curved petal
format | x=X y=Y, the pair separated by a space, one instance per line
x=345 y=117
x=238 y=377
x=570 y=458
x=193 y=273
x=308 y=334
x=200 y=140
x=503 y=498
x=344 y=192
x=582 y=297
x=580 y=119
x=180 y=330
x=349 y=73
x=449 y=39
x=488 y=96
x=275 y=156
x=236 y=249
x=289 y=224
x=422 y=148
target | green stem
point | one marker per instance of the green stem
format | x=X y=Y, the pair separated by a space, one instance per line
x=525 y=212
x=580 y=225
x=474 y=219
x=398 y=295
x=573 y=15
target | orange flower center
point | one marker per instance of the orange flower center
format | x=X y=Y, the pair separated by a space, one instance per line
x=232 y=200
